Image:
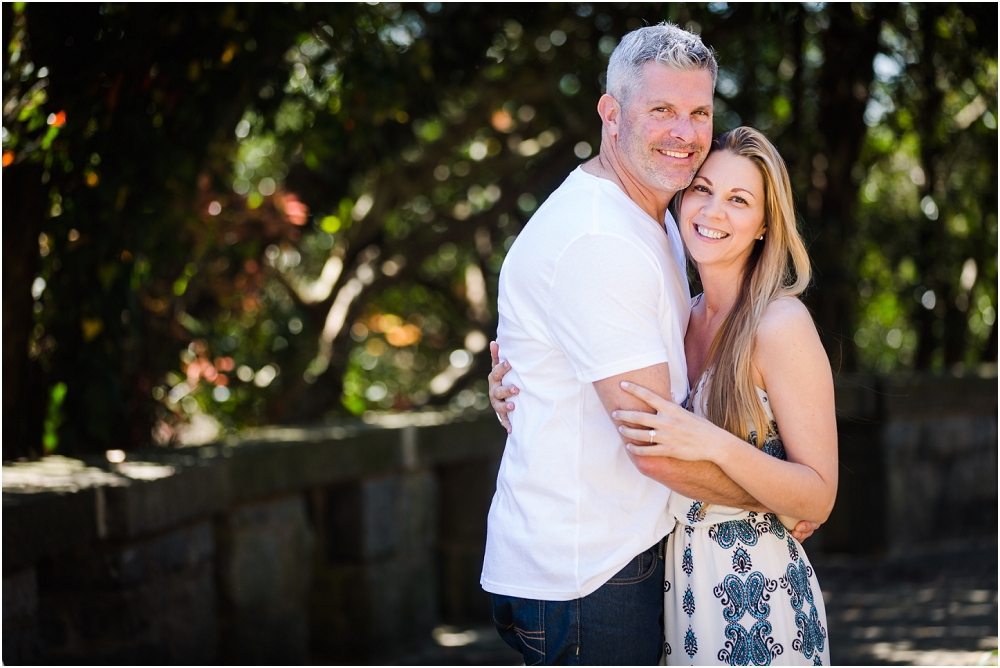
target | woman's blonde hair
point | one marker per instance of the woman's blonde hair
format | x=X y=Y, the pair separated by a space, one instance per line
x=778 y=266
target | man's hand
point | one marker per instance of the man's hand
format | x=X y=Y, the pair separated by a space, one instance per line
x=804 y=529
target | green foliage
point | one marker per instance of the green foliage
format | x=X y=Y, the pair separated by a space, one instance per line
x=252 y=214
x=54 y=419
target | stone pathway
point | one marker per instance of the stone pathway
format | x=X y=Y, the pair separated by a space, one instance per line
x=929 y=607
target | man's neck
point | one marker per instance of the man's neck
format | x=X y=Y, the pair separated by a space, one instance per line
x=608 y=165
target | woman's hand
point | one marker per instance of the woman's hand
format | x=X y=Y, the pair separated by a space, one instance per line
x=500 y=393
x=671 y=432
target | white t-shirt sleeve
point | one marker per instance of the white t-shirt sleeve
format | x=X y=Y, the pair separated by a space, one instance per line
x=604 y=307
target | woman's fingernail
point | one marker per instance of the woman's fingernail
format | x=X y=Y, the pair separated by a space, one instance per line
x=510 y=407
x=506 y=364
x=513 y=390
x=624 y=383
x=614 y=414
x=620 y=428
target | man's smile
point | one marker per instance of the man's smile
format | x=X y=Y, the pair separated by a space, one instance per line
x=675 y=154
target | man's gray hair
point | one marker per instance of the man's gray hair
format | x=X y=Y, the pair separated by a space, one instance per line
x=665 y=44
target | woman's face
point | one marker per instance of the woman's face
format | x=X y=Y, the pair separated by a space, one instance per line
x=722 y=211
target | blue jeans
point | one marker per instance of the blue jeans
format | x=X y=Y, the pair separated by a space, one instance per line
x=619 y=624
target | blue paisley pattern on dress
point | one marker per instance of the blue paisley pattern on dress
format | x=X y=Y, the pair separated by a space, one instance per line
x=690 y=643
x=811 y=638
x=688 y=602
x=741 y=561
x=766 y=590
x=727 y=533
x=738 y=598
x=696 y=512
x=793 y=550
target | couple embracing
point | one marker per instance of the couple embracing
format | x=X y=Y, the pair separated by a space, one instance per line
x=647 y=508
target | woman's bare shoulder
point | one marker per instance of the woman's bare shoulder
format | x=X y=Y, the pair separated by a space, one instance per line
x=786 y=312
x=786 y=320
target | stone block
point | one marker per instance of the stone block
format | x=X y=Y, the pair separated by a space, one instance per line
x=367 y=611
x=373 y=518
x=146 y=601
x=120 y=565
x=858 y=522
x=292 y=459
x=466 y=492
x=941 y=476
x=21 y=641
x=163 y=494
x=461 y=440
x=264 y=566
x=925 y=396
x=40 y=524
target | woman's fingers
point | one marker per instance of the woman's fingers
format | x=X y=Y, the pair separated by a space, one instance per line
x=495 y=352
x=637 y=418
x=503 y=391
x=652 y=398
x=658 y=450
x=649 y=436
x=502 y=407
x=499 y=371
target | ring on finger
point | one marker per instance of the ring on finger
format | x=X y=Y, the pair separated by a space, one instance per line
x=652 y=434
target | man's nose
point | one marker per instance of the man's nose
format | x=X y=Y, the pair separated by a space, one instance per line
x=683 y=130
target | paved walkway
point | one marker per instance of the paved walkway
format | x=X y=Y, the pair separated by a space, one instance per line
x=928 y=607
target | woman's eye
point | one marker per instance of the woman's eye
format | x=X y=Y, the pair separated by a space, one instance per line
x=700 y=189
x=739 y=200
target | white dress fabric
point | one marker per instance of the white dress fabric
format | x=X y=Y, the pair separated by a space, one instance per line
x=739 y=589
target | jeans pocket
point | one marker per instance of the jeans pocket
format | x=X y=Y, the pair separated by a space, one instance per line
x=520 y=622
x=641 y=567
x=532 y=646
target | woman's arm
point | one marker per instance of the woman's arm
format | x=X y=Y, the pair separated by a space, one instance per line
x=797 y=377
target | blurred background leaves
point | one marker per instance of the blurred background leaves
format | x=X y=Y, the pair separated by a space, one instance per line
x=222 y=216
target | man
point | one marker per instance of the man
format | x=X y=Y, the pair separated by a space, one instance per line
x=594 y=292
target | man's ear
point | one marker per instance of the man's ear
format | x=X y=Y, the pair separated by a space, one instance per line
x=610 y=112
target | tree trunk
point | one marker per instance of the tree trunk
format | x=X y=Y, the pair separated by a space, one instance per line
x=24 y=400
x=849 y=46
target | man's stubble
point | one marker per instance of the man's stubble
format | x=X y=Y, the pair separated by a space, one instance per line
x=640 y=156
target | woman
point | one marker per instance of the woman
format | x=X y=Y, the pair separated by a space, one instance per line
x=739 y=588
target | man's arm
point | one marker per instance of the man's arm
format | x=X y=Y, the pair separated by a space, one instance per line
x=699 y=480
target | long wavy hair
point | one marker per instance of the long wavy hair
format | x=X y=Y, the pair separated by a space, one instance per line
x=778 y=266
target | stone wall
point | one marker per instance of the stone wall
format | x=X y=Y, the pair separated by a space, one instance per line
x=918 y=463
x=348 y=544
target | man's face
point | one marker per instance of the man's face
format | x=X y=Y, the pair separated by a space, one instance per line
x=666 y=130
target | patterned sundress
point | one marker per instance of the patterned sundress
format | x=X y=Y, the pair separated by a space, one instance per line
x=739 y=589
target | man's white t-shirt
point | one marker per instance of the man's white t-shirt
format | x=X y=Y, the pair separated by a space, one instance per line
x=592 y=287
